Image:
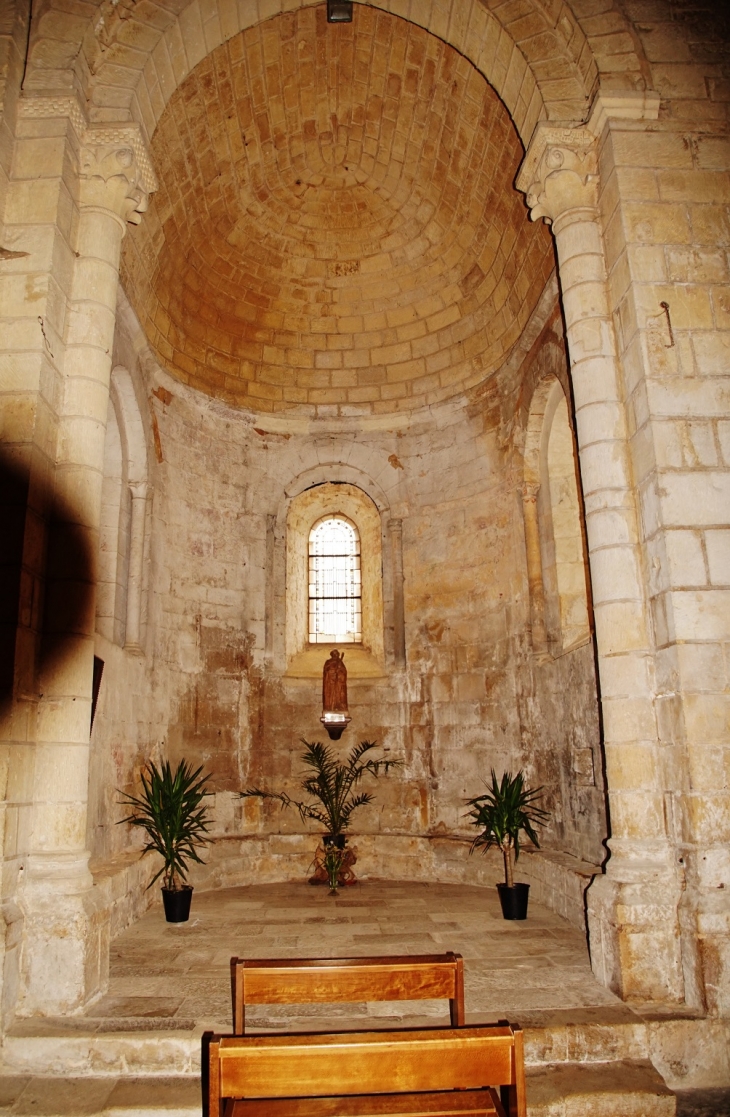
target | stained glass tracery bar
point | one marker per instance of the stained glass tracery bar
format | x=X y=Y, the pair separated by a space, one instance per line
x=335 y=582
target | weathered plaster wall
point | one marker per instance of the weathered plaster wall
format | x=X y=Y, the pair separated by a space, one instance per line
x=212 y=686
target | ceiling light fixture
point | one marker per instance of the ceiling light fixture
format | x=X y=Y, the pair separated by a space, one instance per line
x=339 y=11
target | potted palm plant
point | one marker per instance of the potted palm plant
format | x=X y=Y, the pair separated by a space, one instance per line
x=333 y=786
x=171 y=811
x=505 y=810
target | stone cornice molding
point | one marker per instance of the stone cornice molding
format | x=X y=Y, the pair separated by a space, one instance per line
x=49 y=108
x=560 y=170
x=97 y=143
x=636 y=105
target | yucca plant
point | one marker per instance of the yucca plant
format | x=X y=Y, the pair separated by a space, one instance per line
x=171 y=811
x=332 y=783
x=502 y=814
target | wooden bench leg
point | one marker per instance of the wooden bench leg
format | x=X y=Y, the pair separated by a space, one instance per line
x=205 y=1042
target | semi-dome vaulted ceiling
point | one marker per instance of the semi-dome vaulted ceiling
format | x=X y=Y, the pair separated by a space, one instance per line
x=336 y=222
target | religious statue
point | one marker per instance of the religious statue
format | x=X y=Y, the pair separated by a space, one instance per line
x=334 y=684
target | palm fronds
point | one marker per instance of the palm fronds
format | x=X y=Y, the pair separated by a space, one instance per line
x=170 y=810
x=502 y=813
x=331 y=783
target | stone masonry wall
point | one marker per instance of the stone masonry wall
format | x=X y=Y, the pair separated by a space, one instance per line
x=472 y=695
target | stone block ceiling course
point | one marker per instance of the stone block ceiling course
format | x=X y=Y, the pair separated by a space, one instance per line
x=336 y=222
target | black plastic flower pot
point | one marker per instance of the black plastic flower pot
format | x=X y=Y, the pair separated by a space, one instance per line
x=513 y=900
x=177 y=903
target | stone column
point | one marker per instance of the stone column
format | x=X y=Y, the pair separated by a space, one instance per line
x=63 y=958
x=270 y=583
x=399 y=616
x=138 y=489
x=633 y=908
x=534 y=568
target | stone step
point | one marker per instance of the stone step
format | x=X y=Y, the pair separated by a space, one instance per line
x=620 y=1089
x=79 y=1047
x=47 y=1048
x=100 y=1097
x=623 y=1088
x=688 y=1053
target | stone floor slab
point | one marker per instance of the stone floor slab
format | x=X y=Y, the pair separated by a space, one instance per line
x=510 y=968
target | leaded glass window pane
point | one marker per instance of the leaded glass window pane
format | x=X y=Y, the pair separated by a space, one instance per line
x=335 y=583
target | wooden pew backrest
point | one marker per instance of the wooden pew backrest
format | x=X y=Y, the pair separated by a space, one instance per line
x=335 y=980
x=368 y=1063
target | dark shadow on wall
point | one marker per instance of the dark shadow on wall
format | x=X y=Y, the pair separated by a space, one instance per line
x=46 y=580
x=13 y=503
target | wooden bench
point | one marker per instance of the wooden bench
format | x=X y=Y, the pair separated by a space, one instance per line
x=435 y=1072
x=335 y=980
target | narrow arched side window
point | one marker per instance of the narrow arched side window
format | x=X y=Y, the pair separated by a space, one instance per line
x=335 y=582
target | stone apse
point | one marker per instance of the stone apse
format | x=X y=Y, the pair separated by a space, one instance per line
x=457 y=271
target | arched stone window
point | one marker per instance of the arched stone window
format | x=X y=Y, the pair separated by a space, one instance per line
x=343 y=520
x=335 y=582
x=553 y=532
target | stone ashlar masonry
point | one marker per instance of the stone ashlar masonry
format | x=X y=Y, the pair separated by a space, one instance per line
x=623 y=117
x=340 y=226
x=471 y=696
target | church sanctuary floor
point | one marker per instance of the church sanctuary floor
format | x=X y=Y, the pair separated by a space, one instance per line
x=177 y=975
x=170 y=982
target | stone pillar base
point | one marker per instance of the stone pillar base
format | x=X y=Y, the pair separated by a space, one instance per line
x=65 y=937
x=713 y=931
x=634 y=937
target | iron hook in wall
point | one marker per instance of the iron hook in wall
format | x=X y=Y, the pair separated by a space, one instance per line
x=665 y=308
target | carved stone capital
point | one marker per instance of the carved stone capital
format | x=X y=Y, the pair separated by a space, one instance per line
x=138 y=489
x=530 y=491
x=110 y=179
x=115 y=171
x=559 y=172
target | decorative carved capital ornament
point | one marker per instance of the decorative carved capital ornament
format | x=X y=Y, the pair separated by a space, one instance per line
x=559 y=172
x=115 y=173
x=110 y=179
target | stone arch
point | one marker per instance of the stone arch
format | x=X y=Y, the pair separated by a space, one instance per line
x=333 y=468
x=479 y=37
x=113 y=558
x=311 y=504
x=132 y=429
x=556 y=558
x=124 y=515
x=324 y=463
x=538 y=59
